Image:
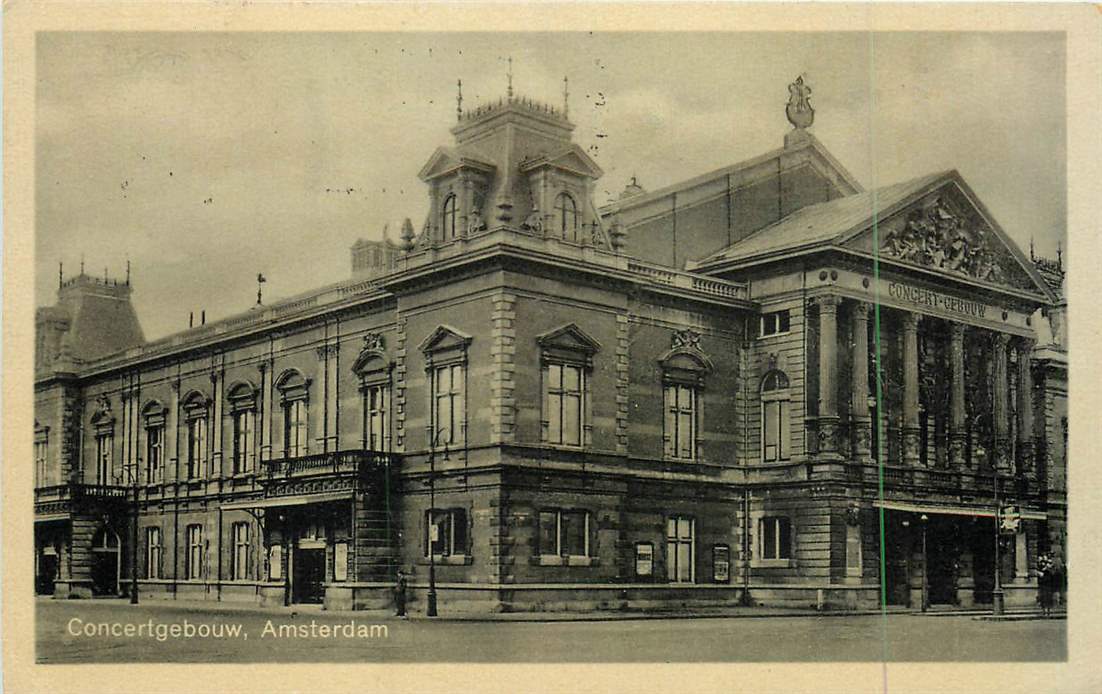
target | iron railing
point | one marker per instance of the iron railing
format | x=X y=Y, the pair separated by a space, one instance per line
x=351 y=462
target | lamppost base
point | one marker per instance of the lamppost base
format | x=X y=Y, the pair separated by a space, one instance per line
x=431 y=611
x=997 y=602
x=133 y=598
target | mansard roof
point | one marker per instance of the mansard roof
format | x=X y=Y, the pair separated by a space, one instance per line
x=904 y=214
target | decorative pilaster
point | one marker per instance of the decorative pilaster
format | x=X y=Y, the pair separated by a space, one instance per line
x=1026 y=449
x=216 y=425
x=859 y=403
x=623 y=381
x=828 y=368
x=1001 y=405
x=265 y=410
x=910 y=389
x=958 y=432
x=503 y=354
x=173 y=429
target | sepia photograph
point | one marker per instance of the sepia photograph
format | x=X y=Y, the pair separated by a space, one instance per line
x=549 y=347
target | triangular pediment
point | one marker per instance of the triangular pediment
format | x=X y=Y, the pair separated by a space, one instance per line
x=572 y=159
x=445 y=338
x=570 y=338
x=444 y=161
x=943 y=228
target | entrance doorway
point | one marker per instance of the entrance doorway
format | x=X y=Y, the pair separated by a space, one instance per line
x=46 y=572
x=309 y=575
x=943 y=535
x=106 y=561
x=897 y=564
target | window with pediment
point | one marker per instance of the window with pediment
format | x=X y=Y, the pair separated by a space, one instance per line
x=445 y=353
x=566 y=360
x=374 y=372
x=566 y=217
x=684 y=370
x=242 y=399
x=294 y=391
x=154 y=415
x=449 y=216
x=195 y=408
x=42 y=475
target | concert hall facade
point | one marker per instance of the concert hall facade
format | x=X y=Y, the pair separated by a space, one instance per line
x=745 y=388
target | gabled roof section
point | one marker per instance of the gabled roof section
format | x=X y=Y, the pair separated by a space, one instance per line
x=572 y=159
x=934 y=222
x=443 y=338
x=569 y=337
x=445 y=160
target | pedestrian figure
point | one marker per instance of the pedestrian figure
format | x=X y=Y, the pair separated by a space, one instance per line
x=1046 y=583
x=400 y=593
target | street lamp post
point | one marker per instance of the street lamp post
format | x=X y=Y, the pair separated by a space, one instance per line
x=133 y=474
x=925 y=560
x=430 y=610
x=997 y=593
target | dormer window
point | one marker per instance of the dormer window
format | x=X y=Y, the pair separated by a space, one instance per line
x=448 y=222
x=566 y=217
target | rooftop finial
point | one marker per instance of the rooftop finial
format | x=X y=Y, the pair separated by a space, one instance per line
x=60 y=274
x=1031 y=256
x=509 y=89
x=799 y=111
x=565 y=97
x=128 y=272
x=459 y=102
x=1059 y=255
x=82 y=263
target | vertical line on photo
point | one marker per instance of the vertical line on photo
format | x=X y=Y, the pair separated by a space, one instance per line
x=878 y=367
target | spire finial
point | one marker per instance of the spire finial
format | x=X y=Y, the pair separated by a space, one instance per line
x=565 y=97
x=128 y=272
x=60 y=274
x=509 y=89
x=459 y=101
x=1059 y=255
x=82 y=263
x=1031 y=256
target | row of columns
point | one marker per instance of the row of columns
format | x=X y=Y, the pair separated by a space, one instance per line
x=829 y=424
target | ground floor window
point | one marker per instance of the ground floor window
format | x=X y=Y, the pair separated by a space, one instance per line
x=563 y=533
x=445 y=531
x=680 y=540
x=240 y=567
x=775 y=538
x=153 y=552
x=644 y=559
x=193 y=568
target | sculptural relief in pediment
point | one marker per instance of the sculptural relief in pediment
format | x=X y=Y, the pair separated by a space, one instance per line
x=943 y=234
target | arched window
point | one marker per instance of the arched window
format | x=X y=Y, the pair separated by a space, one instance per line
x=774 y=417
x=294 y=392
x=448 y=226
x=242 y=401
x=566 y=212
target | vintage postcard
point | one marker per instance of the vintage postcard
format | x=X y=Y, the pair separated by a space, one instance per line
x=378 y=336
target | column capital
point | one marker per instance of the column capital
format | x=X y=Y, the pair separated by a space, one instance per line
x=861 y=309
x=262 y=367
x=1025 y=345
x=1002 y=340
x=956 y=331
x=827 y=302
x=911 y=320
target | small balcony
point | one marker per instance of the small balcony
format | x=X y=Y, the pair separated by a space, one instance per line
x=66 y=498
x=350 y=463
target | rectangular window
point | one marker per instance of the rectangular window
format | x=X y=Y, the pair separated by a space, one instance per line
x=242 y=441
x=154 y=445
x=153 y=552
x=775 y=430
x=193 y=560
x=196 y=446
x=447 y=403
x=563 y=533
x=680 y=549
x=376 y=406
x=104 y=444
x=680 y=423
x=446 y=532
x=294 y=428
x=774 y=323
x=40 y=457
x=774 y=538
x=644 y=559
x=565 y=386
x=239 y=569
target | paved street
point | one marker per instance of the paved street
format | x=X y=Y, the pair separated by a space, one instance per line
x=308 y=636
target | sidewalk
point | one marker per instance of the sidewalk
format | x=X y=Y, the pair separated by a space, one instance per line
x=757 y=612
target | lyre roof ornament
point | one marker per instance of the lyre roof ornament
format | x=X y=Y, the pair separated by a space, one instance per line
x=799 y=111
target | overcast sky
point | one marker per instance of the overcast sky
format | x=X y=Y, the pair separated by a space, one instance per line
x=206 y=158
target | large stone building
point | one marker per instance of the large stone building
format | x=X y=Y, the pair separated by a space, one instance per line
x=703 y=394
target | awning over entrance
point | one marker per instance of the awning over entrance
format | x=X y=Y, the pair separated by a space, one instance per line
x=49 y=517
x=295 y=500
x=982 y=511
